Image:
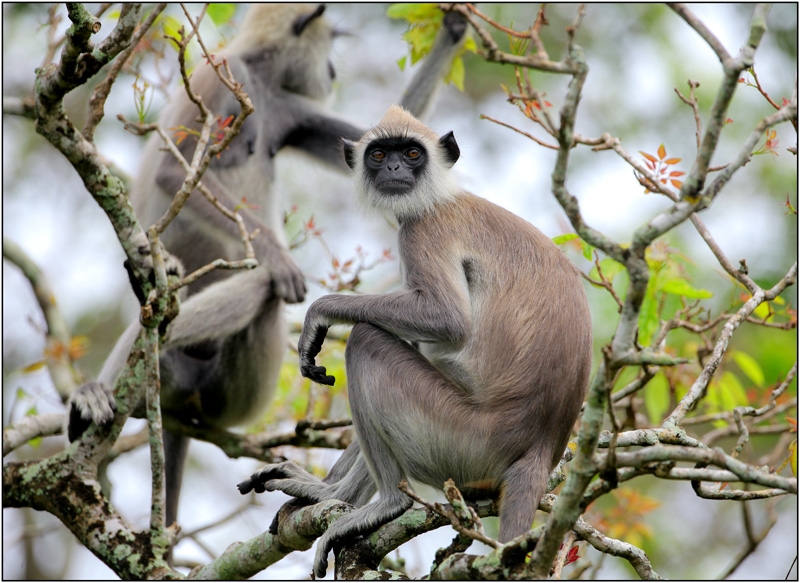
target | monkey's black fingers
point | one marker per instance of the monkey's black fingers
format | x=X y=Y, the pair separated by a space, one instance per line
x=248 y=485
x=317 y=374
x=258 y=480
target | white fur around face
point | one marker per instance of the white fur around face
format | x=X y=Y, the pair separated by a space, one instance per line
x=438 y=184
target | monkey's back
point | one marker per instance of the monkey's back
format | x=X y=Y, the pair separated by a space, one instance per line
x=528 y=348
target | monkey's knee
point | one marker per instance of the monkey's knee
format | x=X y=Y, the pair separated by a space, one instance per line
x=368 y=342
x=92 y=402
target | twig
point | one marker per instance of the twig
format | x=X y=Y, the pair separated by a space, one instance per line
x=20 y=432
x=103 y=89
x=634 y=555
x=561 y=557
x=58 y=337
x=692 y=102
x=701 y=29
x=698 y=389
x=526 y=134
x=454 y=520
x=504 y=29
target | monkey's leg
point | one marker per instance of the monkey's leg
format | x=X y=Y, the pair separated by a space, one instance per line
x=524 y=484
x=288 y=477
x=391 y=388
x=349 y=481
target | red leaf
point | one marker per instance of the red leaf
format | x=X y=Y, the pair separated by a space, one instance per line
x=648 y=156
x=672 y=160
x=572 y=556
x=662 y=152
x=663 y=181
x=650 y=164
x=677 y=183
x=677 y=173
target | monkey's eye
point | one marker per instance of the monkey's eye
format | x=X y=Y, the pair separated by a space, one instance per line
x=413 y=153
x=378 y=155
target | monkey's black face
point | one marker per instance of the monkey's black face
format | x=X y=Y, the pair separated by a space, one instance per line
x=394 y=165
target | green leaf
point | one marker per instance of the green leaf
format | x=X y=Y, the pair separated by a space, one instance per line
x=221 y=13
x=415 y=13
x=421 y=39
x=732 y=393
x=469 y=45
x=401 y=62
x=749 y=366
x=681 y=287
x=762 y=311
x=587 y=249
x=648 y=315
x=561 y=239
x=656 y=398
x=456 y=74
x=171 y=27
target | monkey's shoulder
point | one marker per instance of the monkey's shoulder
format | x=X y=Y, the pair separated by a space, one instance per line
x=473 y=217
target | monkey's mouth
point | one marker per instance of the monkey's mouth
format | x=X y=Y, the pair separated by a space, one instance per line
x=395 y=187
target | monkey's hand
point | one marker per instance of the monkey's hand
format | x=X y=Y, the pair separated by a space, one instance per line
x=311 y=339
x=288 y=282
x=172 y=265
x=91 y=402
x=456 y=25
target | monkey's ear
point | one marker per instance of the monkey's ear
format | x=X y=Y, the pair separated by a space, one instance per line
x=301 y=22
x=451 y=150
x=349 y=152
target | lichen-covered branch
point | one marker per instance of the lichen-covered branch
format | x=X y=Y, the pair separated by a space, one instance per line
x=22 y=431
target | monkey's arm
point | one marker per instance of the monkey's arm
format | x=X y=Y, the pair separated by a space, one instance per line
x=288 y=281
x=320 y=134
x=418 y=96
x=435 y=308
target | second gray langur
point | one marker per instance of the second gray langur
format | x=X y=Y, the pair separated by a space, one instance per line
x=503 y=331
x=221 y=356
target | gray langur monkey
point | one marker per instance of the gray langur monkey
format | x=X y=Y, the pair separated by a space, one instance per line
x=475 y=371
x=221 y=356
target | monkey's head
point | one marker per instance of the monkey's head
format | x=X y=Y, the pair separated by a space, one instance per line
x=402 y=168
x=297 y=39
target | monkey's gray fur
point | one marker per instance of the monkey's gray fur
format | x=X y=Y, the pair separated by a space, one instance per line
x=504 y=334
x=221 y=356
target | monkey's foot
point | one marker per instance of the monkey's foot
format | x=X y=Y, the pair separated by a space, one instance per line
x=91 y=402
x=259 y=481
